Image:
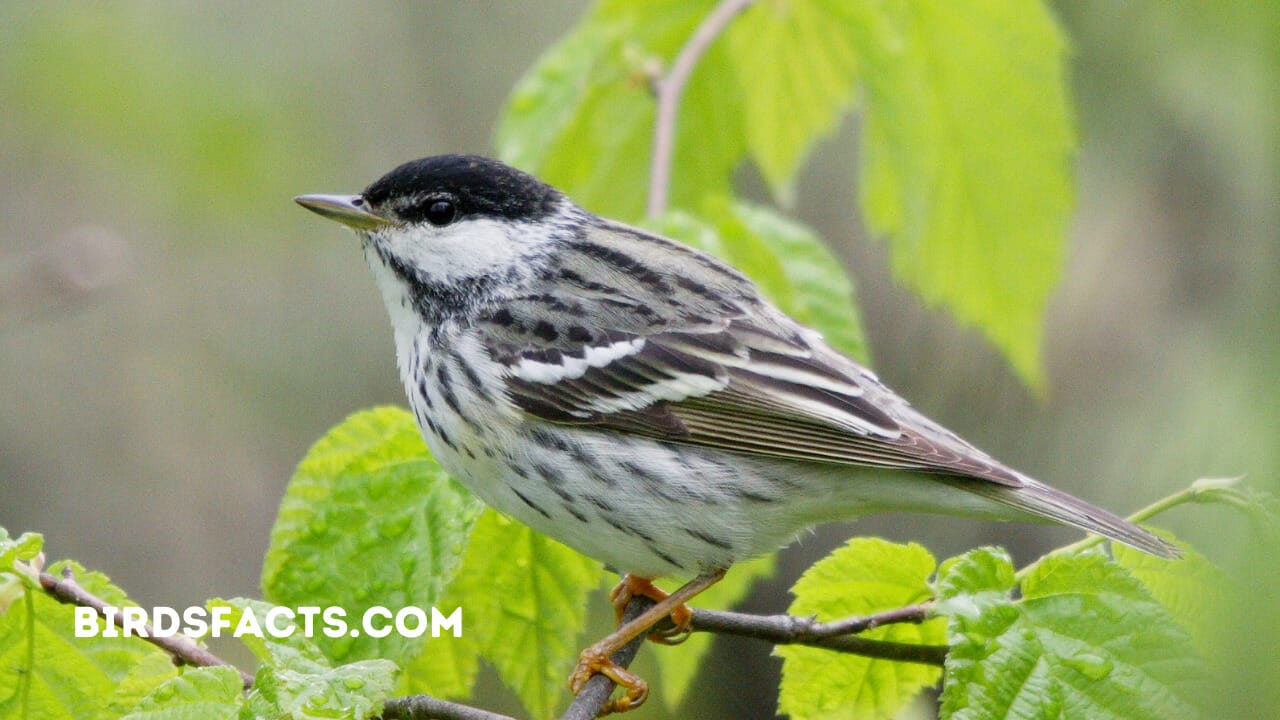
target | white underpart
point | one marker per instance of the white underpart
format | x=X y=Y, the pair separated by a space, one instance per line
x=571 y=368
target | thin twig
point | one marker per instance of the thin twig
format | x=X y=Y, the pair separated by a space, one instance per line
x=839 y=635
x=182 y=648
x=669 y=88
x=425 y=707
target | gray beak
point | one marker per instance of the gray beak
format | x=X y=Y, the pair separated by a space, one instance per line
x=346 y=209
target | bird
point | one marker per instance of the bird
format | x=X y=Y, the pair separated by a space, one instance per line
x=641 y=401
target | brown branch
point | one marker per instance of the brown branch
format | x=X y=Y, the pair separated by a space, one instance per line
x=425 y=707
x=839 y=635
x=182 y=648
x=669 y=88
x=584 y=707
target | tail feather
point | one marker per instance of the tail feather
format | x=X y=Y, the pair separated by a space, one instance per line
x=1042 y=501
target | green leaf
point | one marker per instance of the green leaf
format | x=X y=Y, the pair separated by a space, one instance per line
x=47 y=672
x=354 y=691
x=865 y=576
x=797 y=65
x=525 y=599
x=1086 y=640
x=12 y=585
x=582 y=117
x=967 y=159
x=368 y=519
x=1195 y=592
x=151 y=672
x=295 y=650
x=979 y=570
x=296 y=680
x=678 y=665
x=24 y=547
x=789 y=262
x=446 y=668
x=203 y=693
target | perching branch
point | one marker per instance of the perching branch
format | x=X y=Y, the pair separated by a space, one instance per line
x=839 y=635
x=669 y=87
x=183 y=649
x=584 y=707
x=425 y=707
x=594 y=696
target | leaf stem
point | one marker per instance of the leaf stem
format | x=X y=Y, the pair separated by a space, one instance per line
x=669 y=88
x=24 y=687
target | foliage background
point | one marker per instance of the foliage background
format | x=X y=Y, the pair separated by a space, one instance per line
x=150 y=427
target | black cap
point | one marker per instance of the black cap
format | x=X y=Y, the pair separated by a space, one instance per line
x=480 y=186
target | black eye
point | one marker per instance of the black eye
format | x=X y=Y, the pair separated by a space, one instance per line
x=441 y=211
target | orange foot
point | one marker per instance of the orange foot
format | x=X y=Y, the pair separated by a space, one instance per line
x=595 y=660
x=634 y=586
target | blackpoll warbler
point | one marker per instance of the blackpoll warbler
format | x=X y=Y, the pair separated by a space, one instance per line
x=639 y=400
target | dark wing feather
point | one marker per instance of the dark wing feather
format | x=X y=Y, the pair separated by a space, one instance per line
x=736 y=386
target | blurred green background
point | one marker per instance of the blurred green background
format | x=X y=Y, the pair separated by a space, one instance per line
x=174 y=332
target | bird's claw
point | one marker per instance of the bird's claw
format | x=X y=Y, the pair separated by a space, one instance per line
x=595 y=661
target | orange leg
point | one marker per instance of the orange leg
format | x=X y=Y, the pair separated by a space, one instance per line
x=634 y=586
x=596 y=658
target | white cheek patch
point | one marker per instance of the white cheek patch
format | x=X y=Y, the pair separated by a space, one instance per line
x=466 y=249
x=571 y=368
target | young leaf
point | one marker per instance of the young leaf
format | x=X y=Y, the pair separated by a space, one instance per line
x=979 y=570
x=789 y=105
x=1086 y=640
x=787 y=260
x=525 y=599
x=368 y=519
x=678 y=666
x=47 y=672
x=865 y=576
x=967 y=148
x=24 y=547
x=206 y=693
